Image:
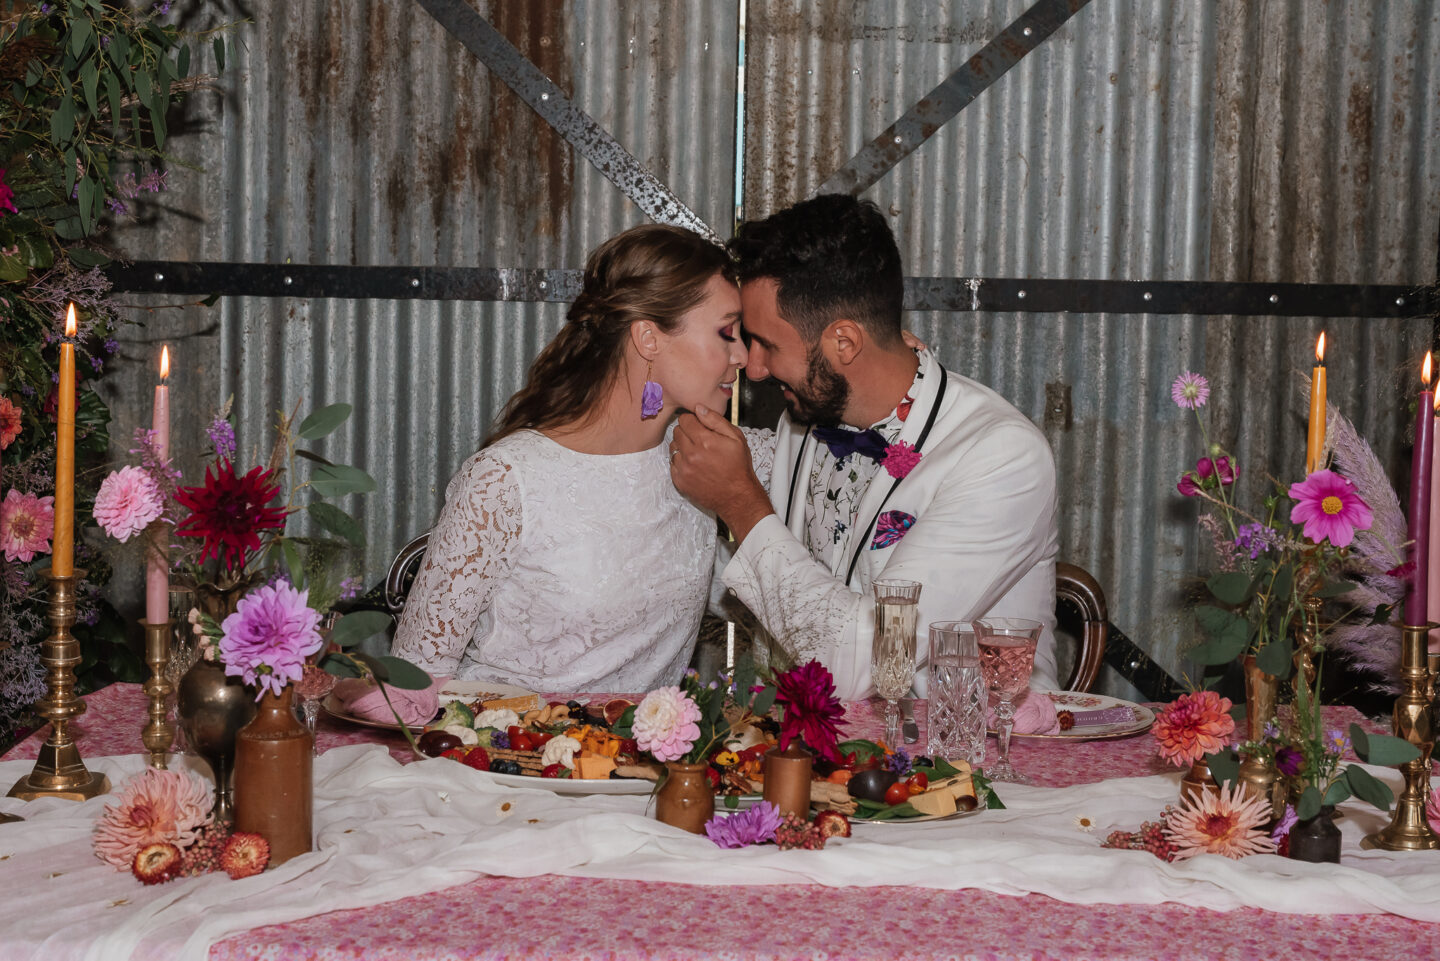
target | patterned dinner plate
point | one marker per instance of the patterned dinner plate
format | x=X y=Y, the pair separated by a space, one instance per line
x=1079 y=702
x=335 y=709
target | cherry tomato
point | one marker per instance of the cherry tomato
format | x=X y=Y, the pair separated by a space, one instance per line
x=513 y=730
x=917 y=783
x=897 y=793
x=522 y=741
x=541 y=738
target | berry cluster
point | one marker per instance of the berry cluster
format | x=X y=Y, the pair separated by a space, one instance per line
x=203 y=856
x=796 y=832
x=1150 y=837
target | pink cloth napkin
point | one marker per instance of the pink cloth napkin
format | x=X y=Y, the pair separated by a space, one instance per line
x=1034 y=714
x=363 y=699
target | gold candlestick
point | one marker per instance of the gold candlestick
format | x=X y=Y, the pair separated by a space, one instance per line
x=159 y=733
x=59 y=771
x=1408 y=830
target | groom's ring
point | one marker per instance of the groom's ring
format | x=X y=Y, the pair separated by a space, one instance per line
x=674 y=453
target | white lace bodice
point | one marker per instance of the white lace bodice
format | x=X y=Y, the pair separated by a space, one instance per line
x=561 y=571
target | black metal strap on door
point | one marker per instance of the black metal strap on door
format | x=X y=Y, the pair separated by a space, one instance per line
x=1133 y=664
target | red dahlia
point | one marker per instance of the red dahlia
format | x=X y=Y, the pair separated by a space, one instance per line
x=812 y=711
x=229 y=511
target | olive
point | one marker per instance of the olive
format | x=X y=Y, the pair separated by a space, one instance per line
x=872 y=784
x=575 y=707
x=923 y=761
x=436 y=743
x=497 y=766
x=965 y=803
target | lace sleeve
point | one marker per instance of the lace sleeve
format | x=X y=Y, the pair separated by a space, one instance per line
x=471 y=549
x=761 y=441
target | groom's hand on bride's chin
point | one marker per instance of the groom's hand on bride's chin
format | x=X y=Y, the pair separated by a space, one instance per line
x=710 y=464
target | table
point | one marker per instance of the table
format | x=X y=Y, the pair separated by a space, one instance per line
x=552 y=916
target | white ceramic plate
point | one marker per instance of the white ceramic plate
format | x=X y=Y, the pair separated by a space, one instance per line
x=917 y=819
x=1085 y=701
x=629 y=785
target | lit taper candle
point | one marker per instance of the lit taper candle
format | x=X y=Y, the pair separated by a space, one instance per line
x=157 y=568
x=1315 y=437
x=62 y=554
x=1416 y=611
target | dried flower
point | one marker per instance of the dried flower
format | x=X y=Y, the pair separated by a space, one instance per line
x=1329 y=507
x=665 y=723
x=1190 y=391
x=10 y=424
x=222 y=437
x=229 y=511
x=1192 y=726
x=755 y=826
x=127 y=502
x=812 y=711
x=269 y=636
x=154 y=807
x=1226 y=822
x=26 y=523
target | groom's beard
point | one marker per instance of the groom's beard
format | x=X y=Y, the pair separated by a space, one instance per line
x=823 y=398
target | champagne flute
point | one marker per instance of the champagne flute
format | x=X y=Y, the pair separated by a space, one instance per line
x=892 y=658
x=1007 y=656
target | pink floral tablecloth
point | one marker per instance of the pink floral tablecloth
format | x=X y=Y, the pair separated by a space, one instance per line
x=550 y=917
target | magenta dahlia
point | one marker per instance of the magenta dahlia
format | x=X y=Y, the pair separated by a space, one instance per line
x=268 y=638
x=230 y=511
x=812 y=711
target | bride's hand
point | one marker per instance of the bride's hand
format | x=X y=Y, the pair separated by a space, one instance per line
x=710 y=464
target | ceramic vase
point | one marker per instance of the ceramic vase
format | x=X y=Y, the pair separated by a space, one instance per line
x=787 y=779
x=685 y=800
x=1198 y=781
x=212 y=708
x=1316 y=839
x=274 y=791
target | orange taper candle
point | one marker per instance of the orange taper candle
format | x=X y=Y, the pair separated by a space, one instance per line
x=1315 y=439
x=62 y=554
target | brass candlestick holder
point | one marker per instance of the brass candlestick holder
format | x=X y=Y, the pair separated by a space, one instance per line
x=59 y=771
x=1408 y=830
x=159 y=733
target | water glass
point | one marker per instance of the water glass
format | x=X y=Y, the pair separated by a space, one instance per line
x=1007 y=656
x=892 y=658
x=958 y=693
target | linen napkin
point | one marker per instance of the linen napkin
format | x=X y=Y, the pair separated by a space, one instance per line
x=363 y=699
x=1034 y=714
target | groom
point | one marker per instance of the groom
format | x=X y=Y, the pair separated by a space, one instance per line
x=886 y=464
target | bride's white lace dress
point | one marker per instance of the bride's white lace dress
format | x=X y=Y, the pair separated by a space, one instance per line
x=561 y=571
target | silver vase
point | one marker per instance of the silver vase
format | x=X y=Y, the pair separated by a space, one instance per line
x=212 y=708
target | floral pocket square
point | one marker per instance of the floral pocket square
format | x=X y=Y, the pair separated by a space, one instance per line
x=891 y=526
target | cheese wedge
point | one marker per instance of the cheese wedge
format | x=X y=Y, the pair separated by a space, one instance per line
x=941 y=797
x=935 y=802
x=593 y=767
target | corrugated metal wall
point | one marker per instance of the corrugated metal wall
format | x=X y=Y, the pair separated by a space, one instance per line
x=1291 y=140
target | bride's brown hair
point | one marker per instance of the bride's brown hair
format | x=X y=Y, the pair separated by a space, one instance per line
x=653 y=272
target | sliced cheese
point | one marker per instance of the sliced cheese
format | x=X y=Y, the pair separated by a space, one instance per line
x=593 y=767
x=935 y=802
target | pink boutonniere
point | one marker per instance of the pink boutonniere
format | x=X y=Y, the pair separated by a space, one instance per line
x=900 y=459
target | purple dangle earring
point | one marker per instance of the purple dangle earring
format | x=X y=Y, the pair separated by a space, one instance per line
x=651 y=396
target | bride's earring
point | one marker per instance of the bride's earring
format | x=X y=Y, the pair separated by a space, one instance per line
x=651 y=397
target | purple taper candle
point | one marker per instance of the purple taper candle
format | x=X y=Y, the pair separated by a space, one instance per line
x=1416 y=612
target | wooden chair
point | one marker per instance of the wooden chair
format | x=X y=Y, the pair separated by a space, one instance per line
x=1075 y=588
x=402 y=574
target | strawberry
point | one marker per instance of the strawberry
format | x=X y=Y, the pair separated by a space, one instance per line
x=245 y=854
x=157 y=863
x=455 y=754
x=550 y=770
x=832 y=824
x=478 y=758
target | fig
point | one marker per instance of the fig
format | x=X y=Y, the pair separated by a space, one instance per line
x=872 y=784
x=436 y=743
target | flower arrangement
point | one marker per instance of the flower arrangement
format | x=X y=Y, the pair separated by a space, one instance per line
x=160 y=828
x=1193 y=726
x=691 y=722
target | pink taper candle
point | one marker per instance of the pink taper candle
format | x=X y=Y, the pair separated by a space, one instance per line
x=1433 y=594
x=157 y=568
x=1416 y=611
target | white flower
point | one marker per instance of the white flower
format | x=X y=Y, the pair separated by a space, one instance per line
x=1085 y=823
x=561 y=751
x=465 y=734
x=500 y=719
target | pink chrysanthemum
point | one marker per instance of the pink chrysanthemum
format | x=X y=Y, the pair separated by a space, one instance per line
x=1330 y=508
x=1190 y=391
x=900 y=459
x=1193 y=726
x=10 y=423
x=754 y=826
x=665 y=723
x=127 y=502
x=269 y=636
x=155 y=807
x=812 y=711
x=26 y=524
x=1226 y=822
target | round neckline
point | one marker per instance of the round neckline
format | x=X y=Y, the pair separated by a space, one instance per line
x=579 y=453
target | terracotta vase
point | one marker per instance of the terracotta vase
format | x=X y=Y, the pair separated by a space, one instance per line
x=274 y=790
x=787 y=779
x=685 y=800
x=1316 y=839
x=212 y=708
x=1198 y=781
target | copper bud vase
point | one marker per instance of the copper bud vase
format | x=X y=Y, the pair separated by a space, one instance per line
x=685 y=799
x=212 y=708
x=1198 y=782
x=274 y=784
x=787 y=779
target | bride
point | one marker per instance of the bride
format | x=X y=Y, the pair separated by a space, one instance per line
x=564 y=559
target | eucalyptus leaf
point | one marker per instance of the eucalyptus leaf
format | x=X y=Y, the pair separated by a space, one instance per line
x=219 y=46
x=182 y=61
x=763 y=701
x=34 y=252
x=1232 y=587
x=11 y=269
x=87 y=204
x=1284 y=580
x=404 y=675
x=324 y=421
x=1275 y=658
x=307 y=454
x=337 y=522
x=62 y=122
x=1309 y=805
x=1224 y=765
x=713 y=707
x=376 y=668
x=336 y=480
x=1228 y=631
x=80 y=33
x=1367 y=788
x=1338 y=791
x=358 y=626
x=144 y=86
x=211 y=301
x=90 y=83
x=293 y=564
x=340 y=665
x=1382 y=749
x=87 y=258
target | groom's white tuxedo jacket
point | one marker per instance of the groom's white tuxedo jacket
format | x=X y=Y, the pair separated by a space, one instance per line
x=983 y=539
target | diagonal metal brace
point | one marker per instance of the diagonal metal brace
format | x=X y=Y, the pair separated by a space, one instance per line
x=919 y=124
x=543 y=96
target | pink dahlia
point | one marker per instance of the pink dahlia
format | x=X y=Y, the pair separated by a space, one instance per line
x=127 y=502
x=665 y=723
x=812 y=711
x=155 y=807
x=9 y=422
x=900 y=459
x=269 y=636
x=1330 y=508
x=26 y=523
x=1190 y=391
x=1227 y=823
x=754 y=826
x=1193 y=726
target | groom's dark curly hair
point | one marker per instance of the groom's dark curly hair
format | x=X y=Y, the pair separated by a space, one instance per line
x=831 y=257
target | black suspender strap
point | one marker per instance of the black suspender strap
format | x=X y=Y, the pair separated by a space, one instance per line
x=795 y=475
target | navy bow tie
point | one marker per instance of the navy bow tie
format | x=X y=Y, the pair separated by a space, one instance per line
x=867 y=443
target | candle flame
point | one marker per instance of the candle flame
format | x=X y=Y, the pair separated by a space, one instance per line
x=164 y=361
x=70 y=326
x=1437 y=404
x=1320 y=348
x=1425 y=370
